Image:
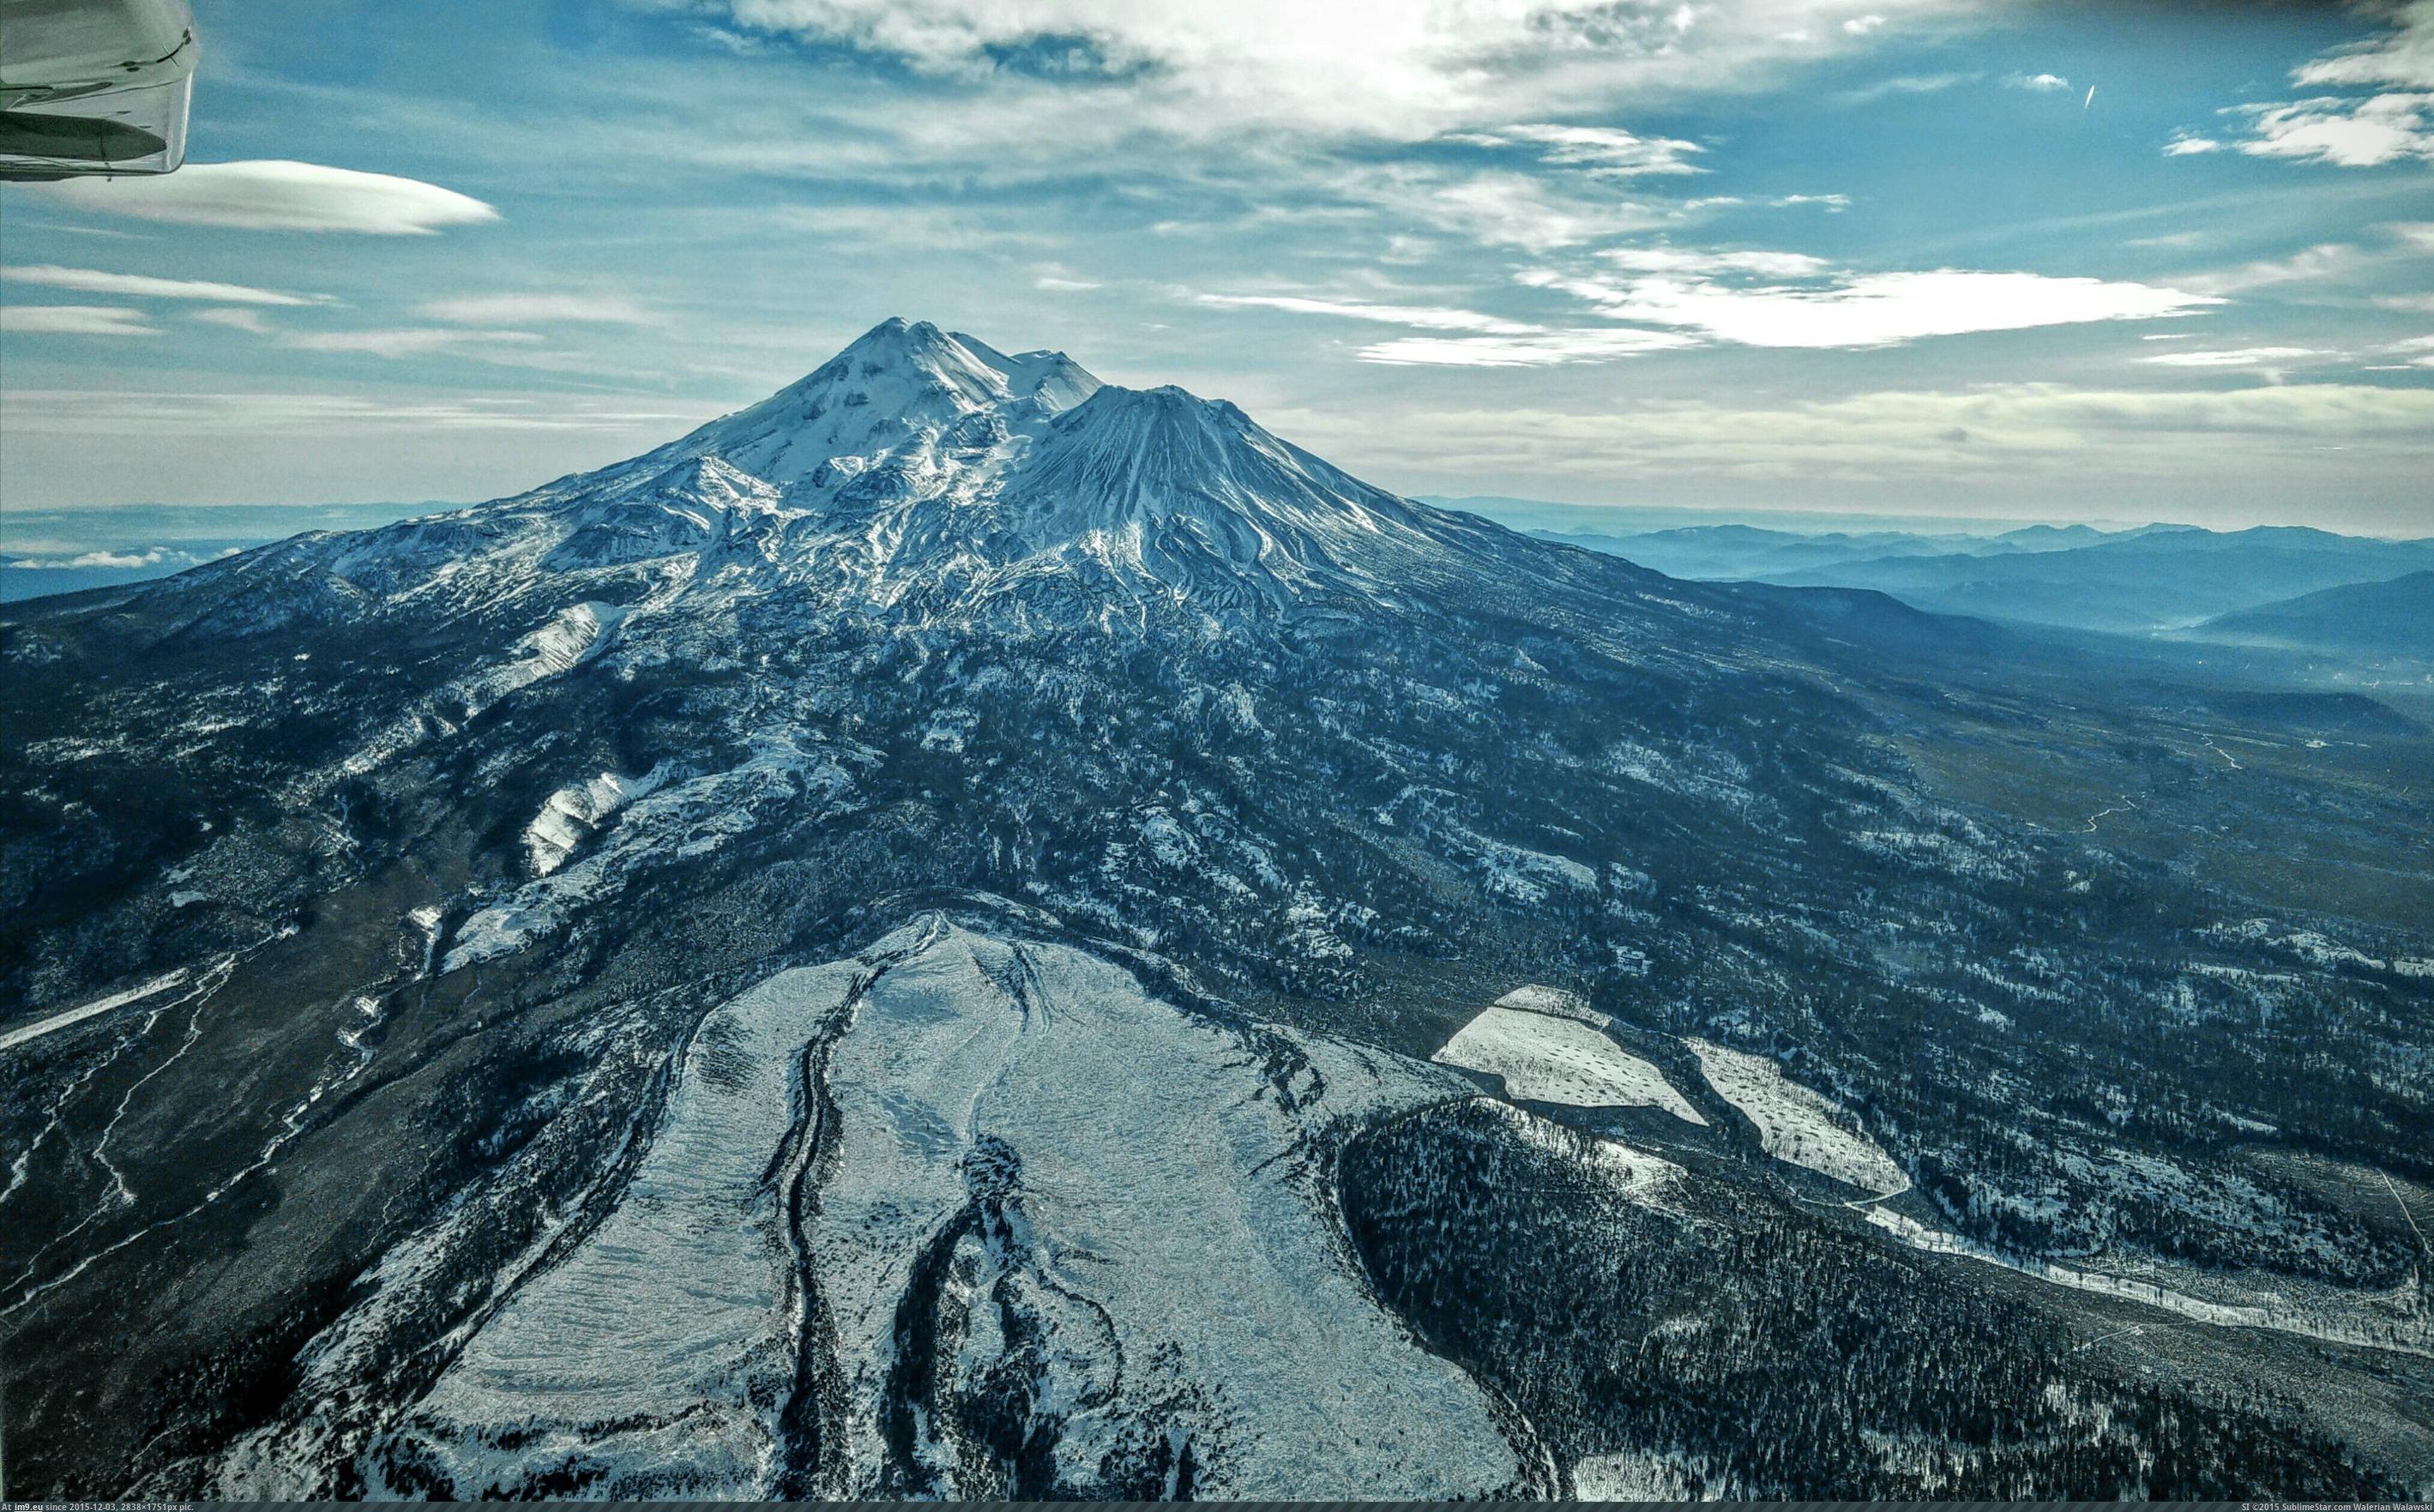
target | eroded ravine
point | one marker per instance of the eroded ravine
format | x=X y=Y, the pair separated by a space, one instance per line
x=972 y=1213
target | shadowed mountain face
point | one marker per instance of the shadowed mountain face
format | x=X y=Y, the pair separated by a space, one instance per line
x=894 y=946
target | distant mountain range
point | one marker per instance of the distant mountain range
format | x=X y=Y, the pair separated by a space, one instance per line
x=66 y=551
x=2394 y=618
x=2152 y=577
x=1750 y=553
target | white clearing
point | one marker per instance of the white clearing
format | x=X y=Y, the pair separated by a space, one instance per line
x=1797 y=1125
x=1552 y=1001
x=40 y=1027
x=2395 y=1320
x=1547 y=1059
x=1636 y=1477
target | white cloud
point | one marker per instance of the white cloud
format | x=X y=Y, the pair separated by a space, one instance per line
x=2185 y=143
x=76 y=320
x=2351 y=130
x=2237 y=357
x=1055 y=284
x=1419 y=318
x=235 y=319
x=2308 y=265
x=539 y=309
x=1905 y=84
x=2405 y=55
x=1878 y=309
x=402 y=342
x=1512 y=209
x=2345 y=132
x=152 y=558
x=1545 y=349
x=2043 y=84
x=1667 y=298
x=135 y=285
x=1893 y=433
x=245 y=414
x=274 y=195
x=1368 y=68
x=1600 y=151
x=1688 y=260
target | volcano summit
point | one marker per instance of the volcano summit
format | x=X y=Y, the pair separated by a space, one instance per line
x=964 y=930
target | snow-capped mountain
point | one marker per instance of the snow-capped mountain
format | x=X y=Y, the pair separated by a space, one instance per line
x=928 y=473
x=922 y=473
x=967 y=931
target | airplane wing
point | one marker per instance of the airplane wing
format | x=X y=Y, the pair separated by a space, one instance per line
x=93 y=86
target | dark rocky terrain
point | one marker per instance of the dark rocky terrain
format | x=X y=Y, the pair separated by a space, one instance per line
x=894 y=946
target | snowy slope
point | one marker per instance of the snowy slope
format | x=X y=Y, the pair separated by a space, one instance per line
x=1009 y=1242
x=1552 y=1058
x=1795 y=1123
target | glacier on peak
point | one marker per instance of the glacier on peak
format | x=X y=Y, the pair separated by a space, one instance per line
x=899 y=382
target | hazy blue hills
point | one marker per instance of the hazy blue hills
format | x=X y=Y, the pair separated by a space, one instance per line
x=2390 y=618
x=66 y=551
x=2136 y=581
x=1741 y=552
x=2156 y=581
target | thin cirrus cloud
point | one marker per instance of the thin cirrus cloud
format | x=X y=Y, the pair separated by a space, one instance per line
x=1902 y=84
x=186 y=412
x=2239 y=357
x=235 y=319
x=136 y=286
x=1543 y=349
x=1888 y=309
x=76 y=320
x=539 y=309
x=273 y=194
x=1417 y=316
x=1504 y=209
x=1887 y=433
x=1660 y=259
x=1603 y=152
x=412 y=341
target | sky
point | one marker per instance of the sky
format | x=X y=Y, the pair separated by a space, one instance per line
x=2065 y=261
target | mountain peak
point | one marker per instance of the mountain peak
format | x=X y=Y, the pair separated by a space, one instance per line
x=923 y=467
x=898 y=342
x=900 y=384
